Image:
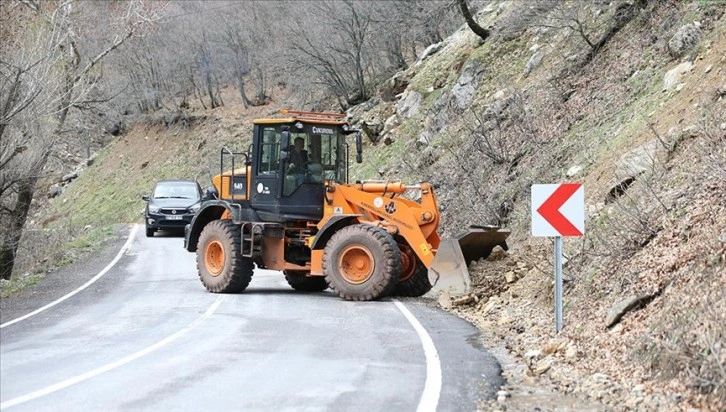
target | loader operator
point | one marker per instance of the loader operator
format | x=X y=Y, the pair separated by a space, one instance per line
x=298 y=160
x=298 y=156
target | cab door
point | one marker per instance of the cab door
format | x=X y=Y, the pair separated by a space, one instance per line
x=266 y=168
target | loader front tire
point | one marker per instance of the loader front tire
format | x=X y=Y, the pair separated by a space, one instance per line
x=300 y=281
x=417 y=285
x=362 y=262
x=221 y=266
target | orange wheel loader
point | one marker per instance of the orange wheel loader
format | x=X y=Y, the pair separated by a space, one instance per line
x=365 y=240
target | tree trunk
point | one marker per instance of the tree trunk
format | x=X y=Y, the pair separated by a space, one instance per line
x=17 y=217
x=623 y=15
x=243 y=94
x=210 y=89
x=360 y=76
x=218 y=91
x=261 y=97
x=473 y=25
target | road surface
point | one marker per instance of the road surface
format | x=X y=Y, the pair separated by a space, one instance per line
x=143 y=334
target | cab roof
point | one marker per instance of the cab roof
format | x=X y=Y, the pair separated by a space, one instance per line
x=290 y=116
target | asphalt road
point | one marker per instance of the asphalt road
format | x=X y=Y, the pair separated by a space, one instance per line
x=145 y=335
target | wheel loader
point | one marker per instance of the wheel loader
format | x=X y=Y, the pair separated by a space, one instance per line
x=365 y=240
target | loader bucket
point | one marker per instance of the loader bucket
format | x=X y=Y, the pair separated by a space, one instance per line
x=449 y=271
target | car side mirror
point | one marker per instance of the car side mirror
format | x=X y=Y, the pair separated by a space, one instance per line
x=145 y=197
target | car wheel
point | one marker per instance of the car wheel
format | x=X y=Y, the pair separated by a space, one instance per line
x=150 y=232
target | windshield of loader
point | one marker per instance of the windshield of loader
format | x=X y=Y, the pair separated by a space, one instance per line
x=317 y=153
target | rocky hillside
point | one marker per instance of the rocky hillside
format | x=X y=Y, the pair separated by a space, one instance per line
x=628 y=99
x=641 y=123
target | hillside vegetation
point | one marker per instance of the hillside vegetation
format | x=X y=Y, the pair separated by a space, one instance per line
x=627 y=98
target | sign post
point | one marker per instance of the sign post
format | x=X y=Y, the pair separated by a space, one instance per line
x=558 y=283
x=558 y=210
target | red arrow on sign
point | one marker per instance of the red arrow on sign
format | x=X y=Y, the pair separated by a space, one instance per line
x=550 y=209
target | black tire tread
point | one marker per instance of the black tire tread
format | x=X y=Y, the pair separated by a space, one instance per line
x=382 y=283
x=417 y=285
x=238 y=273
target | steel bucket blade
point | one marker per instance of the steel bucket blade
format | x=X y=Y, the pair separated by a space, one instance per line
x=479 y=241
x=449 y=271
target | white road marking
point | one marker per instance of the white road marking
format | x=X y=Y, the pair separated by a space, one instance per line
x=125 y=247
x=111 y=366
x=429 y=398
x=432 y=388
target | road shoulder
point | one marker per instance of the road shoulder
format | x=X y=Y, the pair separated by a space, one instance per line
x=62 y=281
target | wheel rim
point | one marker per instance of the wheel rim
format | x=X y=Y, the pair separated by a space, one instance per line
x=214 y=257
x=356 y=264
x=408 y=262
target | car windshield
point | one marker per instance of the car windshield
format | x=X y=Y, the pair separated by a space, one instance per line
x=176 y=190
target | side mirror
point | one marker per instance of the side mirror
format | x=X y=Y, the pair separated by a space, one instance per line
x=211 y=193
x=145 y=197
x=358 y=148
x=285 y=143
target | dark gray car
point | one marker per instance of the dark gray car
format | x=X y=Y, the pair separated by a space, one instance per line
x=171 y=205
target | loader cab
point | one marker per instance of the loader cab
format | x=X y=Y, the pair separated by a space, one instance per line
x=292 y=159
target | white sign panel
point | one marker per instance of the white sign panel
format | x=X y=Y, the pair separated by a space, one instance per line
x=558 y=210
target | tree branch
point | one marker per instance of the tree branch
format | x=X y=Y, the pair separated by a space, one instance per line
x=95 y=60
x=473 y=25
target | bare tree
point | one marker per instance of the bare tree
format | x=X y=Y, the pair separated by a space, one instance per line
x=235 y=39
x=336 y=55
x=420 y=22
x=207 y=69
x=259 y=45
x=590 y=25
x=364 y=41
x=40 y=84
x=248 y=39
x=146 y=77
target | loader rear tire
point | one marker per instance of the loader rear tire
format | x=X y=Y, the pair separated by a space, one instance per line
x=362 y=262
x=221 y=266
x=414 y=279
x=299 y=280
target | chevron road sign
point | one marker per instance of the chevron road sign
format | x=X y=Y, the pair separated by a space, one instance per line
x=558 y=210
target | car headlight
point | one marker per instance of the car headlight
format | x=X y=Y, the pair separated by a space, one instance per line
x=195 y=208
x=153 y=209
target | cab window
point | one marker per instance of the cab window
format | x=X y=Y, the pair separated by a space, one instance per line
x=269 y=152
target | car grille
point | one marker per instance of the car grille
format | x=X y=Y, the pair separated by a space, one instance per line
x=173 y=211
